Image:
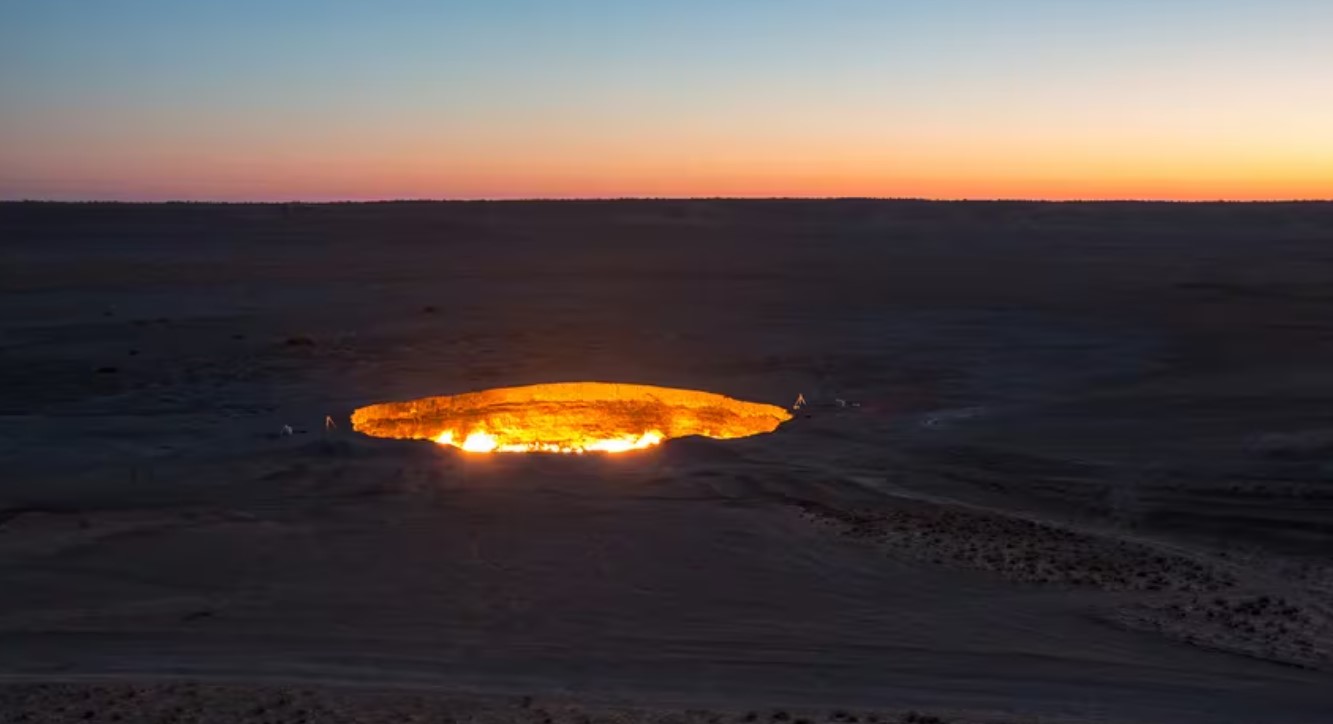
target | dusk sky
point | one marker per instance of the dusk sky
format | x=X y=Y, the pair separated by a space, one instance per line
x=249 y=100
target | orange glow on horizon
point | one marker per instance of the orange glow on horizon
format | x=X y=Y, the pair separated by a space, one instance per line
x=1042 y=162
x=1027 y=100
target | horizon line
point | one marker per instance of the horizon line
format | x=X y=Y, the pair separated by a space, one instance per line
x=586 y=199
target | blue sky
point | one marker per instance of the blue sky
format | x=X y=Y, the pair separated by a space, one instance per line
x=150 y=98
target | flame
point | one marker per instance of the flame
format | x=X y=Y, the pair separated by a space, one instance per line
x=568 y=417
x=484 y=442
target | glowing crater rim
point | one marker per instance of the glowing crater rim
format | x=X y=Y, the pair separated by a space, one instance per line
x=568 y=417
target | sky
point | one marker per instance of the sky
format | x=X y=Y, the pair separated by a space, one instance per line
x=331 y=100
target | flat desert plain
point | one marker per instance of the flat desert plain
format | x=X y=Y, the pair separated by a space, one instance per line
x=1060 y=463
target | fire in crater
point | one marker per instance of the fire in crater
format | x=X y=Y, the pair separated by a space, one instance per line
x=568 y=417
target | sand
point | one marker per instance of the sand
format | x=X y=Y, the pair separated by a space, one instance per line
x=1062 y=462
x=223 y=703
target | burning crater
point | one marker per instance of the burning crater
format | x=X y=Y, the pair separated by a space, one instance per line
x=568 y=417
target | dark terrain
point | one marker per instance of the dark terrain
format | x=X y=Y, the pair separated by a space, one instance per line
x=1067 y=461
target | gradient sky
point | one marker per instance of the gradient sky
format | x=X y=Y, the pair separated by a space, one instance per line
x=275 y=100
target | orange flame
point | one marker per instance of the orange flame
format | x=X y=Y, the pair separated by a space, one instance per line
x=568 y=417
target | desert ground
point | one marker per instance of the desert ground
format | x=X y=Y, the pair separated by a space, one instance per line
x=1061 y=463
